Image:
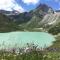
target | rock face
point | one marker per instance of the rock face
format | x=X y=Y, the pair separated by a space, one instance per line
x=51 y=19
x=55 y=28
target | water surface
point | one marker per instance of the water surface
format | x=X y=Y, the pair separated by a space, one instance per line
x=20 y=39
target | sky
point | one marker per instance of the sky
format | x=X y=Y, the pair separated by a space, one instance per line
x=27 y=5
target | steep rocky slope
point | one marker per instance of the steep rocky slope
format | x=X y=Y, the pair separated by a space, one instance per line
x=38 y=14
x=51 y=19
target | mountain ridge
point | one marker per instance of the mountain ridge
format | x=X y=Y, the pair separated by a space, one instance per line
x=41 y=17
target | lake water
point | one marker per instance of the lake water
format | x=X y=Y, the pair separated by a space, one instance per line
x=12 y=39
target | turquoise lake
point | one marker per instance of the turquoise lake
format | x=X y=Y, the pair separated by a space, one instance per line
x=22 y=38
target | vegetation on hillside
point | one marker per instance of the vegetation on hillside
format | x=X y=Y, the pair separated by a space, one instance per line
x=55 y=30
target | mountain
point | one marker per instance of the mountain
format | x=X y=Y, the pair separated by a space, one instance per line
x=42 y=18
x=45 y=17
x=21 y=18
x=57 y=10
x=55 y=29
x=43 y=9
x=38 y=15
x=39 y=12
x=8 y=13
x=6 y=24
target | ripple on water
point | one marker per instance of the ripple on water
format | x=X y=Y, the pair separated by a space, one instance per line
x=22 y=38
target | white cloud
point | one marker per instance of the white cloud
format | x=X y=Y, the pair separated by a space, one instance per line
x=30 y=1
x=10 y=5
x=57 y=0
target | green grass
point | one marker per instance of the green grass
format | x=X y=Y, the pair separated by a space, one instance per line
x=33 y=55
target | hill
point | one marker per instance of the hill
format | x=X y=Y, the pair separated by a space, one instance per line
x=6 y=24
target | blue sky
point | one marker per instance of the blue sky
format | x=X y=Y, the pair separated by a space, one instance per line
x=55 y=4
x=27 y=5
